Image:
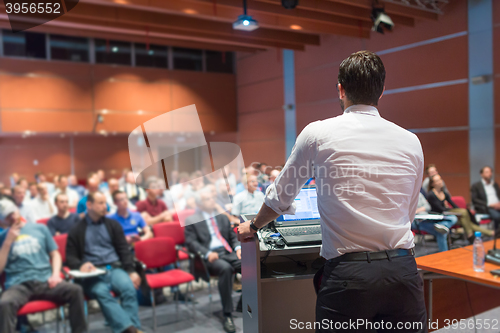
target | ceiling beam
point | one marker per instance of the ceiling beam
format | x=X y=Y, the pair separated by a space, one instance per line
x=393 y=9
x=345 y=8
x=187 y=24
x=228 y=13
x=61 y=28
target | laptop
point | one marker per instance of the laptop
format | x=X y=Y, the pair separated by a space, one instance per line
x=303 y=228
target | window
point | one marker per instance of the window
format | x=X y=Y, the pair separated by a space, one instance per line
x=112 y=52
x=219 y=61
x=69 y=48
x=188 y=59
x=24 y=44
x=156 y=56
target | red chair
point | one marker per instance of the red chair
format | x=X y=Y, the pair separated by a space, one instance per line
x=459 y=201
x=43 y=221
x=183 y=214
x=61 y=241
x=156 y=253
x=175 y=231
x=72 y=210
x=38 y=306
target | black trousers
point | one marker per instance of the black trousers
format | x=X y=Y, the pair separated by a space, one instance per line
x=377 y=296
x=224 y=268
x=16 y=296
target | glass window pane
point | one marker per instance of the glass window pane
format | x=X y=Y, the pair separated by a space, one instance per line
x=156 y=56
x=24 y=44
x=69 y=48
x=188 y=59
x=219 y=61
x=112 y=52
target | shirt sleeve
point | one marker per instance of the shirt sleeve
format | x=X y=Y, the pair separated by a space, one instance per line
x=418 y=182
x=50 y=244
x=141 y=207
x=298 y=169
x=141 y=221
x=236 y=209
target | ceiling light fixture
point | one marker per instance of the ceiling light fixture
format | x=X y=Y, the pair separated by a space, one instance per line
x=245 y=22
x=295 y=27
x=289 y=4
x=381 y=21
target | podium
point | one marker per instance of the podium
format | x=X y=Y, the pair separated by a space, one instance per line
x=277 y=285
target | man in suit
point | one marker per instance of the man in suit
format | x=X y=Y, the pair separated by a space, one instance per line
x=485 y=196
x=217 y=243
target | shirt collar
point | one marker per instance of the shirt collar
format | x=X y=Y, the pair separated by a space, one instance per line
x=363 y=109
x=486 y=184
x=89 y=220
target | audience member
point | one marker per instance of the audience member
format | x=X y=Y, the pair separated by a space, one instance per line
x=42 y=205
x=25 y=208
x=485 y=195
x=114 y=185
x=32 y=266
x=64 y=220
x=92 y=187
x=262 y=173
x=250 y=200
x=6 y=191
x=215 y=239
x=103 y=185
x=73 y=184
x=72 y=195
x=41 y=179
x=99 y=242
x=134 y=226
x=13 y=179
x=32 y=191
x=272 y=177
x=438 y=228
x=153 y=210
x=440 y=202
x=134 y=192
x=430 y=171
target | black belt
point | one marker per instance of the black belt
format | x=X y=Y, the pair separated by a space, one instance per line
x=369 y=256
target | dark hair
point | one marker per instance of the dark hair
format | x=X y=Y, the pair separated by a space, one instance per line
x=115 y=193
x=58 y=195
x=90 y=196
x=428 y=167
x=486 y=166
x=431 y=182
x=362 y=75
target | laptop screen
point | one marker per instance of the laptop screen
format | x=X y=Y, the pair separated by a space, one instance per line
x=306 y=206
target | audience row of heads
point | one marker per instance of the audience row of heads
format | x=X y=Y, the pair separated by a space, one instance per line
x=435 y=180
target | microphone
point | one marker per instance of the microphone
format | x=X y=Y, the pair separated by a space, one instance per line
x=493 y=256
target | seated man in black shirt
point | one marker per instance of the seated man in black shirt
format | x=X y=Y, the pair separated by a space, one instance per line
x=64 y=220
x=97 y=241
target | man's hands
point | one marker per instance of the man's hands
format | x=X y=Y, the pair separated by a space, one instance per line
x=238 y=253
x=87 y=267
x=136 y=279
x=132 y=239
x=245 y=233
x=495 y=206
x=13 y=233
x=54 y=280
x=212 y=256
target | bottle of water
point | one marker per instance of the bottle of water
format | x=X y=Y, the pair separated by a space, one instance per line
x=478 y=249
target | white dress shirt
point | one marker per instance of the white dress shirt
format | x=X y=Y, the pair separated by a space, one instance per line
x=215 y=242
x=491 y=194
x=368 y=175
x=247 y=203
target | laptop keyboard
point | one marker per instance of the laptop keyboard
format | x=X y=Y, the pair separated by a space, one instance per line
x=300 y=231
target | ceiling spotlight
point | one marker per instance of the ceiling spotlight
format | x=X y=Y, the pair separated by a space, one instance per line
x=190 y=11
x=289 y=4
x=114 y=49
x=245 y=22
x=295 y=27
x=381 y=20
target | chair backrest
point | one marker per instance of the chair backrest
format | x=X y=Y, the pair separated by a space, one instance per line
x=156 y=252
x=459 y=201
x=173 y=230
x=61 y=244
x=72 y=210
x=43 y=221
x=183 y=214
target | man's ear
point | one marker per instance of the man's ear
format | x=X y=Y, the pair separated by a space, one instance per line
x=341 y=90
x=382 y=93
